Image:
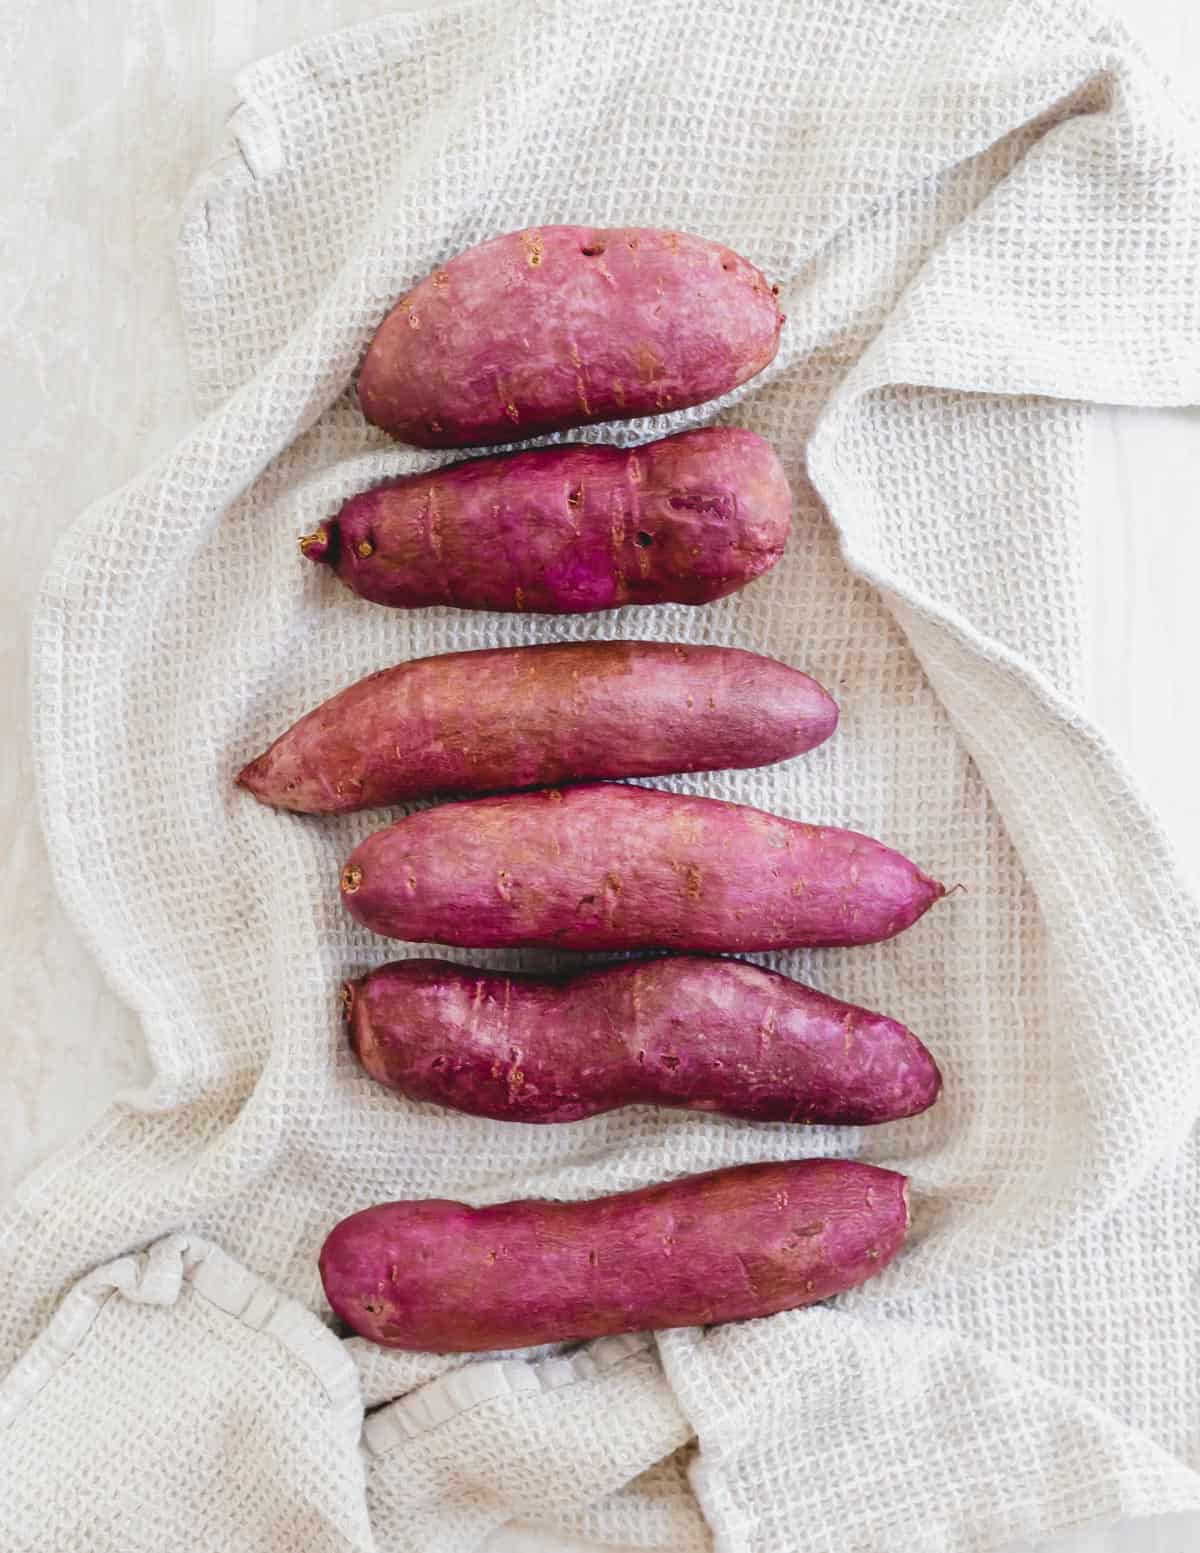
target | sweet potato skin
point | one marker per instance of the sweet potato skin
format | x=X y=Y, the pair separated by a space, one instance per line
x=565 y=530
x=513 y=717
x=615 y=867
x=733 y=1244
x=700 y=1034
x=560 y=326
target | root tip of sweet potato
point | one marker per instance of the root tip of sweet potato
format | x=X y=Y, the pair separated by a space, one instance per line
x=319 y=545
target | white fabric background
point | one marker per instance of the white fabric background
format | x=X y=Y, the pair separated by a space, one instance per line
x=898 y=163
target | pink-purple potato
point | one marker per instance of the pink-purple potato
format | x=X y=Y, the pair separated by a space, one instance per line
x=568 y=529
x=700 y=1034
x=443 y=1277
x=512 y=717
x=617 y=867
x=560 y=326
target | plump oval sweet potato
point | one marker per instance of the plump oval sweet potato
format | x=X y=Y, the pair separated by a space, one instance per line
x=510 y=717
x=560 y=326
x=704 y=1035
x=564 y=530
x=614 y=867
x=443 y=1277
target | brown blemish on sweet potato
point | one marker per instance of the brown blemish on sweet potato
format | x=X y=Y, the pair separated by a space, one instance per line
x=648 y=363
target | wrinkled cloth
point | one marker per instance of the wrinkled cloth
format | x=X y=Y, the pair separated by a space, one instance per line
x=982 y=216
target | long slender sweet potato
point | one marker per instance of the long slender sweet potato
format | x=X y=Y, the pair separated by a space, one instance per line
x=510 y=717
x=564 y=530
x=615 y=867
x=443 y=1277
x=705 y=1035
x=563 y=325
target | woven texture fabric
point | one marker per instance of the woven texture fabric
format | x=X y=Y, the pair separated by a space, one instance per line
x=127 y=1393
x=981 y=216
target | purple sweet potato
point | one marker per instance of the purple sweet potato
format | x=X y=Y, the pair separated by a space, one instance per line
x=560 y=326
x=563 y=530
x=704 y=1035
x=615 y=867
x=443 y=1277
x=510 y=717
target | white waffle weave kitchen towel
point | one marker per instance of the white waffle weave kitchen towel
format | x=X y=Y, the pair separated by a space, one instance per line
x=981 y=213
